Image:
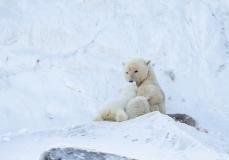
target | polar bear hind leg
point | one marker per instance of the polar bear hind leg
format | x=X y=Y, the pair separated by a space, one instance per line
x=121 y=115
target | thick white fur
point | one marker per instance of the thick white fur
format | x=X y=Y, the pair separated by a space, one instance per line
x=113 y=110
x=140 y=71
x=137 y=106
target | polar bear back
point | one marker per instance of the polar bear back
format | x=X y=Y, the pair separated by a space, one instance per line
x=137 y=106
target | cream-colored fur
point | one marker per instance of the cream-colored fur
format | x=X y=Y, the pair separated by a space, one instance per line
x=113 y=110
x=140 y=71
x=137 y=106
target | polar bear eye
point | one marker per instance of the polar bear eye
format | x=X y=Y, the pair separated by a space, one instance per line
x=136 y=71
x=126 y=72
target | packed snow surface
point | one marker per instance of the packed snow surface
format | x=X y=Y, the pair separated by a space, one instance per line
x=60 y=60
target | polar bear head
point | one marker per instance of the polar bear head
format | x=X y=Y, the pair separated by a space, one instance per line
x=136 y=70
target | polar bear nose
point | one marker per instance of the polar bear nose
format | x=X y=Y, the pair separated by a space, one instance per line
x=131 y=81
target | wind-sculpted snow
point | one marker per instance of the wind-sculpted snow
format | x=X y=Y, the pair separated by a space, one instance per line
x=153 y=136
x=60 y=60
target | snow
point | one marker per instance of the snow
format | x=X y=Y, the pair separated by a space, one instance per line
x=60 y=60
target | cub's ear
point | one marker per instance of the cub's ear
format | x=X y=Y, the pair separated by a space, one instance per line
x=147 y=62
x=123 y=63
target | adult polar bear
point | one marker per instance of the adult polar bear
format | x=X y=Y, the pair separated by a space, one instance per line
x=140 y=71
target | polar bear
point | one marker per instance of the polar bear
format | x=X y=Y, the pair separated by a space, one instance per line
x=114 y=109
x=140 y=71
x=137 y=106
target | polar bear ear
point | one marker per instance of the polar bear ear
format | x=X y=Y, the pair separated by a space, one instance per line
x=147 y=62
x=123 y=63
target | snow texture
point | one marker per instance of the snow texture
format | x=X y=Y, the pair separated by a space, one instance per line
x=60 y=60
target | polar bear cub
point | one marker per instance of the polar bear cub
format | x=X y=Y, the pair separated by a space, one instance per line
x=113 y=110
x=137 y=106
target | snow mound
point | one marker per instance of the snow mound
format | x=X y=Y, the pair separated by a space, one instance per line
x=152 y=136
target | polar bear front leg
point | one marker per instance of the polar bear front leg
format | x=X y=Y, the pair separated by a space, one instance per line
x=152 y=92
x=155 y=95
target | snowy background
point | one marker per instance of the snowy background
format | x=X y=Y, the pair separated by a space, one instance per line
x=60 y=60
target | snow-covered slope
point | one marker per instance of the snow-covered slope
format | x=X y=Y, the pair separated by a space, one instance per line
x=152 y=136
x=60 y=60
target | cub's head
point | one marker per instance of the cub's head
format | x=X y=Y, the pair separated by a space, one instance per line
x=136 y=70
x=129 y=88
